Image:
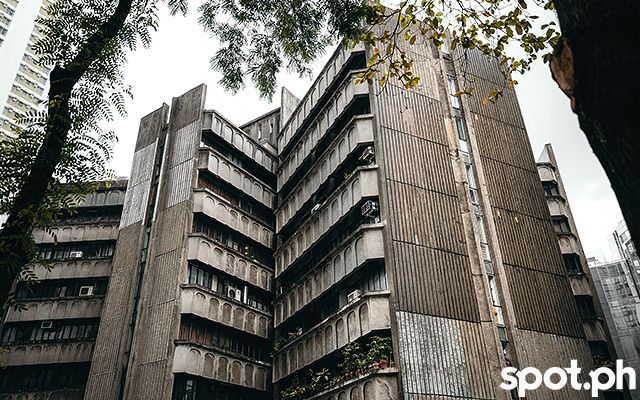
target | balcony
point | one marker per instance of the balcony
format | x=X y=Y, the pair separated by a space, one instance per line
x=312 y=99
x=74 y=269
x=79 y=233
x=361 y=184
x=358 y=132
x=219 y=365
x=378 y=384
x=48 y=353
x=234 y=263
x=48 y=309
x=217 y=124
x=220 y=210
x=212 y=306
x=336 y=106
x=211 y=161
x=364 y=245
x=369 y=313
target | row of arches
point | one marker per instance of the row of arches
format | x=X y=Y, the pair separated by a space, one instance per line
x=342 y=147
x=337 y=206
x=238 y=139
x=78 y=233
x=220 y=367
x=316 y=91
x=208 y=306
x=82 y=308
x=230 y=216
x=343 y=261
x=110 y=197
x=49 y=354
x=333 y=334
x=208 y=252
x=238 y=178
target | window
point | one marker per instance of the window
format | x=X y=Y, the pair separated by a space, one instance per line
x=550 y=189
x=46 y=331
x=200 y=276
x=43 y=377
x=56 y=288
x=572 y=263
x=561 y=225
x=77 y=250
x=223 y=338
x=585 y=306
x=459 y=124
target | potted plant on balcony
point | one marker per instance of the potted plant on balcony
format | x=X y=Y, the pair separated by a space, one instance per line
x=353 y=356
x=380 y=349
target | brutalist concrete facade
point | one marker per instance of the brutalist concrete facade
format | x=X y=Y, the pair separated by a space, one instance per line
x=50 y=344
x=356 y=212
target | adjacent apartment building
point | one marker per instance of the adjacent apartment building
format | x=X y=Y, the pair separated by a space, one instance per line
x=49 y=346
x=582 y=282
x=358 y=214
x=25 y=82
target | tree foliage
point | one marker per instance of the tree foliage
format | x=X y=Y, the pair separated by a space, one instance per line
x=86 y=42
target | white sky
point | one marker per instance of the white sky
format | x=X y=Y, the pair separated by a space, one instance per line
x=178 y=60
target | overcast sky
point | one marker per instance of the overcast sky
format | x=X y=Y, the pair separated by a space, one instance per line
x=178 y=60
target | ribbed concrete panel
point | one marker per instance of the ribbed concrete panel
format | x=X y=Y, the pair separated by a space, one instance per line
x=534 y=353
x=425 y=218
x=544 y=313
x=421 y=163
x=434 y=282
x=182 y=162
x=439 y=358
x=135 y=201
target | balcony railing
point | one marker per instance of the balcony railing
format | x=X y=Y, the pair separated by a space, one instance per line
x=89 y=307
x=238 y=139
x=74 y=269
x=234 y=263
x=359 y=132
x=233 y=217
x=364 y=245
x=219 y=365
x=79 y=233
x=357 y=319
x=314 y=94
x=362 y=183
x=211 y=161
x=341 y=99
x=215 y=307
x=379 y=384
x=48 y=353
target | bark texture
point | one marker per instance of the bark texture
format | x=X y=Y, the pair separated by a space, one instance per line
x=597 y=65
x=15 y=236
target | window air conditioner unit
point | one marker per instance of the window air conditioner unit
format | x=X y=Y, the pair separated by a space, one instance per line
x=46 y=325
x=316 y=208
x=353 y=296
x=75 y=254
x=370 y=209
x=86 y=290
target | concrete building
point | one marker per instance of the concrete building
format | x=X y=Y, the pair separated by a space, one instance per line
x=618 y=286
x=50 y=344
x=358 y=214
x=25 y=83
x=576 y=263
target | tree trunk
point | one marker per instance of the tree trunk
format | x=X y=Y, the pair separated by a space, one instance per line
x=597 y=65
x=15 y=237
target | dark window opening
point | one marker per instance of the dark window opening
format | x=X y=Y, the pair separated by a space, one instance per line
x=561 y=225
x=585 y=306
x=572 y=263
x=550 y=189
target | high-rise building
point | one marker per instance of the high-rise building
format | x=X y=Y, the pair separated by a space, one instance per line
x=576 y=263
x=622 y=246
x=49 y=345
x=618 y=286
x=25 y=83
x=400 y=227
